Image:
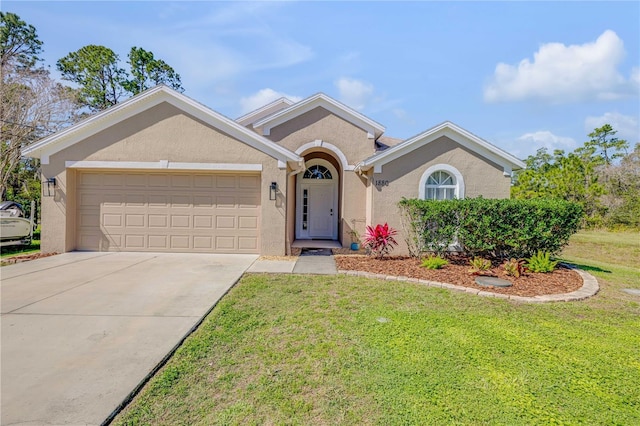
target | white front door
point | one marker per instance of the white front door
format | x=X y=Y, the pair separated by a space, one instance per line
x=317 y=202
x=321 y=214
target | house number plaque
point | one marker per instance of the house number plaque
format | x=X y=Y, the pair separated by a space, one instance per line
x=380 y=183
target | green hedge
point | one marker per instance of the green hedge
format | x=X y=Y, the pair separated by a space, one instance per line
x=482 y=227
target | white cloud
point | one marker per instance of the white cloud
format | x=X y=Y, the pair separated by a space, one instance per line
x=226 y=42
x=262 y=97
x=355 y=93
x=626 y=125
x=529 y=143
x=561 y=73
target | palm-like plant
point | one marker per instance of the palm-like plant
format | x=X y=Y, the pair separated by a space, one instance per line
x=380 y=239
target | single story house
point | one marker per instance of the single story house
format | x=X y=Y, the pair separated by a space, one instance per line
x=161 y=172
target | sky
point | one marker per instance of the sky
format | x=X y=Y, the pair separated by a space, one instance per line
x=522 y=75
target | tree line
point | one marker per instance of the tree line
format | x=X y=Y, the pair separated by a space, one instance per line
x=601 y=175
x=33 y=104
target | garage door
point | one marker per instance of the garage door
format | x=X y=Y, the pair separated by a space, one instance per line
x=168 y=212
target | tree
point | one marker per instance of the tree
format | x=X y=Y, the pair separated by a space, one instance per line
x=32 y=105
x=19 y=43
x=604 y=143
x=622 y=184
x=95 y=69
x=146 y=72
x=574 y=177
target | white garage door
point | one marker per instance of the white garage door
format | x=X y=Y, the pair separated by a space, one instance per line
x=168 y=212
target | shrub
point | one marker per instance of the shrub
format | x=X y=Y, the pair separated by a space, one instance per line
x=479 y=265
x=380 y=239
x=434 y=262
x=490 y=228
x=514 y=267
x=429 y=226
x=541 y=262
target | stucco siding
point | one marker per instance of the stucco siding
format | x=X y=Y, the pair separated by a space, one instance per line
x=401 y=178
x=320 y=124
x=160 y=133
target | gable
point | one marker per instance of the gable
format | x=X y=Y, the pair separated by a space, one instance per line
x=442 y=150
x=161 y=133
x=318 y=129
x=145 y=101
x=453 y=132
x=373 y=129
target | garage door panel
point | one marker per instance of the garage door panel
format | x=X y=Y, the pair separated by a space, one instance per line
x=158 y=242
x=225 y=222
x=158 y=221
x=158 y=200
x=203 y=242
x=134 y=242
x=111 y=180
x=181 y=181
x=168 y=212
x=248 y=243
x=203 y=201
x=110 y=220
x=225 y=202
x=179 y=241
x=203 y=222
x=135 y=220
x=247 y=222
x=136 y=180
x=158 y=181
x=248 y=182
x=225 y=182
x=136 y=199
x=204 y=181
x=180 y=221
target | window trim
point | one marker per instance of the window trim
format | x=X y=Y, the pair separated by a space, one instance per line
x=318 y=167
x=459 y=187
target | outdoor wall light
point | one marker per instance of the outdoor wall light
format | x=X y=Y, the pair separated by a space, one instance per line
x=50 y=187
x=273 y=189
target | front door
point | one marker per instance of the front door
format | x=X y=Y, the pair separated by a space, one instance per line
x=321 y=214
x=317 y=202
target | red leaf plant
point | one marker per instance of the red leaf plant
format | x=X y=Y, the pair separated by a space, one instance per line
x=380 y=239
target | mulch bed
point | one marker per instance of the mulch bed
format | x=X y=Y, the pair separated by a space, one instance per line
x=25 y=258
x=562 y=280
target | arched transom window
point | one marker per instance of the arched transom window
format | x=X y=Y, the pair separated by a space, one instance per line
x=317 y=171
x=440 y=186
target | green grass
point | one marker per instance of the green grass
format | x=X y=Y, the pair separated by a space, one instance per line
x=34 y=247
x=613 y=258
x=291 y=349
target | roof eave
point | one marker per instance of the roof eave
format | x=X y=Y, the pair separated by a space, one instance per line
x=503 y=158
x=67 y=137
x=373 y=128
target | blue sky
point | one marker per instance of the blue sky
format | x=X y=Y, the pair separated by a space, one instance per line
x=521 y=75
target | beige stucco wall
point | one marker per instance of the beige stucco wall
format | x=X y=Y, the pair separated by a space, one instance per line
x=320 y=124
x=160 y=133
x=481 y=178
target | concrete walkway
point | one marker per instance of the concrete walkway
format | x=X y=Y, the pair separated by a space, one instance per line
x=316 y=261
x=310 y=261
x=81 y=330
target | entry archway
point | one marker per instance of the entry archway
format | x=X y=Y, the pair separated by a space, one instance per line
x=317 y=190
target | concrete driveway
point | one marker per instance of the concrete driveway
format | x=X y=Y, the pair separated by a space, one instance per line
x=81 y=330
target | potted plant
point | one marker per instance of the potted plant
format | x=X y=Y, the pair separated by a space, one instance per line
x=355 y=240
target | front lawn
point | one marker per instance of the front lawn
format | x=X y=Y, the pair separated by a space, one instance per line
x=346 y=350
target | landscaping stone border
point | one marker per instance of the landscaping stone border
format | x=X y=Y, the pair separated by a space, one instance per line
x=589 y=287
